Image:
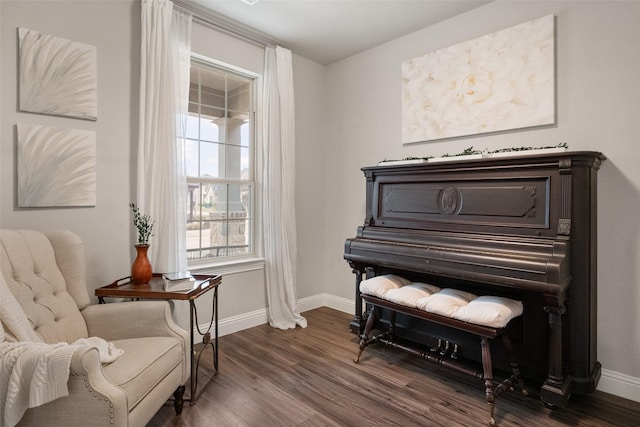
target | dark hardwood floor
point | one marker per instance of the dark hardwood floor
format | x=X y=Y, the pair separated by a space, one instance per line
x=306 y=377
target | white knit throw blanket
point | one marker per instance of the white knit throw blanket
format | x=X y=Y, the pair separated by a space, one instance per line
x=32 y=372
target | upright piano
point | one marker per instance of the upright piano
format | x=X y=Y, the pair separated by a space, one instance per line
x=520 y=226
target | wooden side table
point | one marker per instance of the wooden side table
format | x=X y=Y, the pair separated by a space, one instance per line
x=124 y=288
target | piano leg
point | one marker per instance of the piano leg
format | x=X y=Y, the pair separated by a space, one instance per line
x=356 y=325
x=556 y=389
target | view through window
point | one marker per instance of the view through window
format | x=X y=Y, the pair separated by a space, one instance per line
x=219 y=164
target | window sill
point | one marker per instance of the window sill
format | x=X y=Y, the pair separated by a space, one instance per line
x=228 y=267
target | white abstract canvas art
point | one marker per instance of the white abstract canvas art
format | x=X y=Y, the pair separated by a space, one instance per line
x=501 y=81
x=57 y=76
x=56 y=167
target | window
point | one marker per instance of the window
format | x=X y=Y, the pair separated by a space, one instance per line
x=219 y=162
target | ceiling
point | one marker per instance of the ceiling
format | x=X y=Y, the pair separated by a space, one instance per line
x=327 y=31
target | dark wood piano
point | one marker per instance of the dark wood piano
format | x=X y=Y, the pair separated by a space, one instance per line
x=519 y=226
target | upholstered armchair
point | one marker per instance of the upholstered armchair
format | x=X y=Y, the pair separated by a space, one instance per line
x=46 y=274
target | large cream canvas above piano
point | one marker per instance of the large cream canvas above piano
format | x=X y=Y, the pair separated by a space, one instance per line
x=497 y=82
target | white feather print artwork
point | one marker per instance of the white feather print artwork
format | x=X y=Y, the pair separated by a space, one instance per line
x=56 y=167
x=57 y=76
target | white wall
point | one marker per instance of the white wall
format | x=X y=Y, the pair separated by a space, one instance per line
x=310 y=90
x=113 y=27
x=598 y=105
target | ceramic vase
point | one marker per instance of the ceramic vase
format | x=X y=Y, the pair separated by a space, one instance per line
x=141 y=271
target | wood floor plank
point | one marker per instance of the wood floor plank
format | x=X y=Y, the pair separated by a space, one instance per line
x=307 y=378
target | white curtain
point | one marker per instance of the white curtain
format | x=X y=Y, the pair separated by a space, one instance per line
x=164 y=90
x=279 y=218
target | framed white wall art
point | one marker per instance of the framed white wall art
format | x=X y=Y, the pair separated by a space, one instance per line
x=56 y=167
x=497 y=82
x=57 y=76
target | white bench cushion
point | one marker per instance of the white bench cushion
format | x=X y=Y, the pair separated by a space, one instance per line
x=446 y=302
x=491 y=311
x=408 y=295
x=379 y=286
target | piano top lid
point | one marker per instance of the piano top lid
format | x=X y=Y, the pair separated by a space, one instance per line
x=522 y=158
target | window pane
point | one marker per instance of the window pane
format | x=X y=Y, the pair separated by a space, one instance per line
x=208 y=129
x=212 y=113
x=209 y=155
x=233 y=130
x=191 y=157
x=194 y=86
x=192 y=126
x=233 y=169
x=244 y=134
x=219 y=207
x=238 y=237
x=247 y=199
x=193 y=203
x=208 y=201
x=193 y=235
x=236 y=207
x=212 y=87
x=198 y=236
x=245 y=163
x=218 y=238
x=239 y=94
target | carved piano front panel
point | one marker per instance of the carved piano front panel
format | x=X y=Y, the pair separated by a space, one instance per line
x=513 y=203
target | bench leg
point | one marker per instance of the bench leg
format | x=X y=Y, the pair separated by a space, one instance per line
x=488 y=377
x=364 y=337
x=392 y=325
x=514 y=363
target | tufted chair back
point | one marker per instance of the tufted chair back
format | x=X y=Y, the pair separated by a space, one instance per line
x=46 y=273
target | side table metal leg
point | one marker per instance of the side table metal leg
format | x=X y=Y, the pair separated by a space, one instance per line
x=194 y=371
x=206 y=341
x=215 y=310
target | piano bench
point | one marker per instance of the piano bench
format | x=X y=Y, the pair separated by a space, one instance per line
x=486 y=317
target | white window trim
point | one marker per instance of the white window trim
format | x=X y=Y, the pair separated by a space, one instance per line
x=229 y=266
x=254 y=261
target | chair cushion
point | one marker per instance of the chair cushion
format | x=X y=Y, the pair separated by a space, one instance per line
x=145 y=362
x=28 y=264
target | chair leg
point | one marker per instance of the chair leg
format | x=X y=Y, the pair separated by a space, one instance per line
x=178 y=399
x=487 y=367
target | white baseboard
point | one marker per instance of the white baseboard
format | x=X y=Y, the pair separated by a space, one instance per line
x=238 y=323
x=621 y=385
x=611 y=382
x=327 y=300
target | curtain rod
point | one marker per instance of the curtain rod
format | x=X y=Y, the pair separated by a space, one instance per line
x=226 y=25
